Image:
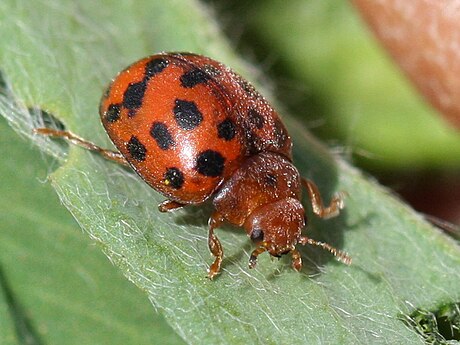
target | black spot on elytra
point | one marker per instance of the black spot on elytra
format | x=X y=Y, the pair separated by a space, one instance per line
x=155 y=66
x=159 y=131
x=246 y=86
x=136 y=149
x=212 y=70
x=187 y=114
x=113 y=113
x=226 y=130
x=257 y=235
x=194 y=77
x=174 y=177
x=271 y=179
x=210 y=163
x=281 y=135
x=133 y=96
x=255 y=119
x=253 y=143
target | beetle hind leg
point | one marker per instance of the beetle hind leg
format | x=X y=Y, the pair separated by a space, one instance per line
x=76 y=140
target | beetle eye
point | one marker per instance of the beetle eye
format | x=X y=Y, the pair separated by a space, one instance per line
x=257 y=235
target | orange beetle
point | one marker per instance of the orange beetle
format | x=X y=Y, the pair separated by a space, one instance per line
x=194 y=129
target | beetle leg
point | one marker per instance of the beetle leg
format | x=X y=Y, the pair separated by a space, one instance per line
x=317 y=203
x=255 y=253
x=76 y=140
x=169 y=206
x=214 y=245
x=296 y=260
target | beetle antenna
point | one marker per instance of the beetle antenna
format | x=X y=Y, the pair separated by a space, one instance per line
x=340 y=255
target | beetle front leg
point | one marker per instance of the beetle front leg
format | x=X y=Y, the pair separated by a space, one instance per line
x=296 y=260
x=214 y=245
x=255 y=253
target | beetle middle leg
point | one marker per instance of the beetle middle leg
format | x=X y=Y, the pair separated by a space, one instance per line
x=214 y=245
x=317 y=203
x=169 y=206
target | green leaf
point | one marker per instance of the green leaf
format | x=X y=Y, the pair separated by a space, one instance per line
x=58 y=56
x=55 y=287
x=7 y=325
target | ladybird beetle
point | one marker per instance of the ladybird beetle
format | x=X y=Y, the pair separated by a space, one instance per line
x=193 y=129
